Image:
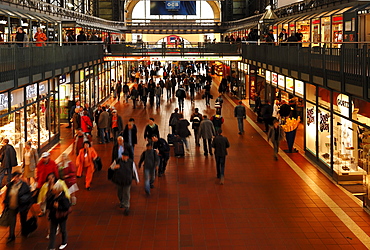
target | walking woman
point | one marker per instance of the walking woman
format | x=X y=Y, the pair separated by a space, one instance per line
x=30 y=160
x=85 y=162
x=59 y=207
x=67 y=172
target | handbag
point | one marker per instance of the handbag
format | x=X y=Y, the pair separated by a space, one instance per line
x=4 y=218
x=110 y=170
x=63 y=214
x=98 y=164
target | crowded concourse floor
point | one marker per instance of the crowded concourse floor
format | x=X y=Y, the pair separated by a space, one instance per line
x=263 y=204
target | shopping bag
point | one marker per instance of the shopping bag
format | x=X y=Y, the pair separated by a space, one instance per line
x=4 y=218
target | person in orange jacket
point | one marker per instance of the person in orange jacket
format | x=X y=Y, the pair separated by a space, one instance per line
x=40 y=37
x=44 y=167
x=85 y=162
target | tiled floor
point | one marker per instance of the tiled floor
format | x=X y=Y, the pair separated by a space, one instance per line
x=264 y=204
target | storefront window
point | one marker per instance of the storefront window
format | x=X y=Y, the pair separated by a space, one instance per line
x=311 y=92
x=311 y=127
x=289 y=82
x=304 y=26
x=324 y=136
x=325 y=29
x=337 y=26
x=324 y=97
x=299 y=88
x=315 y=30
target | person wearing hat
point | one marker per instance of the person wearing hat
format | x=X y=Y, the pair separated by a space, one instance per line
x=30 y=160
x=115 y=124
x=85 y=162
x=17 y=200
x=8 y=159
x=124 y=171
x=80 y=138
x=44 y=167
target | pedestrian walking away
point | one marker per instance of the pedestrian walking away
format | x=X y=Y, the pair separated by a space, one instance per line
x=206 y=131
x=240 y=114
x=195 y=120
x=124 y=172
x=276 y=134
x=220 y=144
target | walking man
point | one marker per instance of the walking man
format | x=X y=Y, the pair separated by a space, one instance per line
x=195 y=119
x=220 y=144
x=276 y=135
x=240 y=114
x=163 y=151
x=8 y=159
x=151 y=160
x=181 y=94
x=206 y=131
x=124 y=172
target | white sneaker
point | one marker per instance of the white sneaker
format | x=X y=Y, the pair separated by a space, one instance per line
x=63 y=246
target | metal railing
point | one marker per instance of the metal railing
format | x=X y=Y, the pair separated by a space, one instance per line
x=348 y=65
x=22 y=62
x=163 y=49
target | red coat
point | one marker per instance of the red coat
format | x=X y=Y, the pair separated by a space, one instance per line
x=85 y=123
x=42 y=171
x=70 y=172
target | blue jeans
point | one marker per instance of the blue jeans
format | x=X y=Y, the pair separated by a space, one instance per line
x=183 y=139
x=220 y=166
x=149 y=178
x=158 y=100
x=181 y=104
x=240 y=124
x=103 y=135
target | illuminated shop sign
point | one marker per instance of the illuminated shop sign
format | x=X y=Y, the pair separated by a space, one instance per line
x=281 y=81
x=289 y=82
x=274 y=78
x=268 y=76
x=299 y=88
x=4 y=101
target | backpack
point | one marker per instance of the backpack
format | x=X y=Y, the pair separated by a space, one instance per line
x=178 y=93
x=196 y=121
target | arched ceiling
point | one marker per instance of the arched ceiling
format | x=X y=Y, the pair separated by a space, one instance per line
x=130 y=5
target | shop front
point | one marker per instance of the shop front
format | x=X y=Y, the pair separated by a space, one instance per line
x=337 y=135
x=30 y=113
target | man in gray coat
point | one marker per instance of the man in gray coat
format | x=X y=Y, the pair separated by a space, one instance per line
x=240 y=114
x=206 y=131
x=103 y=124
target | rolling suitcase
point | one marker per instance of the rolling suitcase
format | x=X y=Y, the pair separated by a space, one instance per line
x=179 y=147
x=170 y=139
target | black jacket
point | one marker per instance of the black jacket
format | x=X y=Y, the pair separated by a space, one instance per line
x=124 y=174
x=149 y=132
x=220 y=144
x=8 y=156
x=24 y=196
x=133 y=134
x=63 y=206
x=125 y=147
x=182 y=128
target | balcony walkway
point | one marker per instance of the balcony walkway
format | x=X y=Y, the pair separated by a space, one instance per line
x=264 y=204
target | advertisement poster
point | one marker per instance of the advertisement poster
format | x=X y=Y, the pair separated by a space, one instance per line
x=172 y=8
